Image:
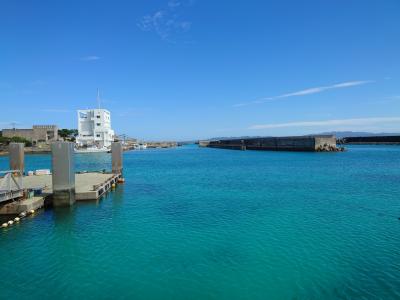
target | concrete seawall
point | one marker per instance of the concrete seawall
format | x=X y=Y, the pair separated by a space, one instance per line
x=372 y=140
x=293 y=143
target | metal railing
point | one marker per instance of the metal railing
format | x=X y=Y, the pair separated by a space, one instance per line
x=11 y=185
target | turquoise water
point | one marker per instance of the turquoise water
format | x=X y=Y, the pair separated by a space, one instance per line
x=194 y=223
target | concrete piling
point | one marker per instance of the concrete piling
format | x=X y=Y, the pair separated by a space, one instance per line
x=116 y=153
x=63 y=173
x=17 y=156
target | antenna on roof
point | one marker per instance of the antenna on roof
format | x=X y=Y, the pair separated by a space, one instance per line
x=98 y=98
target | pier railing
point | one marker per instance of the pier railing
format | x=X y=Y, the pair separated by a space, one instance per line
x=11 y=185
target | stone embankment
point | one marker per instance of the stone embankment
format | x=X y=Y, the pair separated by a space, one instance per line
x=329 y=148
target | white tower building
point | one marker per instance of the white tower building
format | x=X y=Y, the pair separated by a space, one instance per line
x=94 y=127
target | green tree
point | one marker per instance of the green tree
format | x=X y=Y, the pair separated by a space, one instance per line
x=18 y=139
x=4 y=140
x=69 y=134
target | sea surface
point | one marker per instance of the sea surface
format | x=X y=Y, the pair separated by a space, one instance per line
x=198 y=223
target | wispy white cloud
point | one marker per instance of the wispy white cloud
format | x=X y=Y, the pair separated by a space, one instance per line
x=309 y=91
x=332 y=123
x=166 y=22
x=90 y=58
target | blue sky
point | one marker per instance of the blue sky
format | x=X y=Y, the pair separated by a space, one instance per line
x=186 y=69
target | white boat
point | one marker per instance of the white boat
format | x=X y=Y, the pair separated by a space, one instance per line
x=140 y=146
x=92 y=149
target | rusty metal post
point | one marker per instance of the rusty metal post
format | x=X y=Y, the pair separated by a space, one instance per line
x=63 y=173
x=17 y=156
x=116 y=153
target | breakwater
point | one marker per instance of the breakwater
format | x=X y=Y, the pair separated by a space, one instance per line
x=316 y=143
x=372 y=140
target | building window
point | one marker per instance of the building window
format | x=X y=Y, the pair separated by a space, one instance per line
x=98 y=117
x=98 y=135
x=98 y=124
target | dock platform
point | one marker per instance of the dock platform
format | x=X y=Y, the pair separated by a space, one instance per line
x=62 y=187
x=89 y=186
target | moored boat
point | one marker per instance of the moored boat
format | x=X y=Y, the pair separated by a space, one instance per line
x=92 y=149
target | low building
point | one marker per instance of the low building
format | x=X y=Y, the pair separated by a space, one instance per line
x=38 y=133
x=94 y=128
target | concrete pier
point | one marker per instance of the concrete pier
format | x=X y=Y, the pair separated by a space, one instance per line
x=63 y=186
x=116 y=154
x=89 y=186
x=17 y=156
x=63 y=176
